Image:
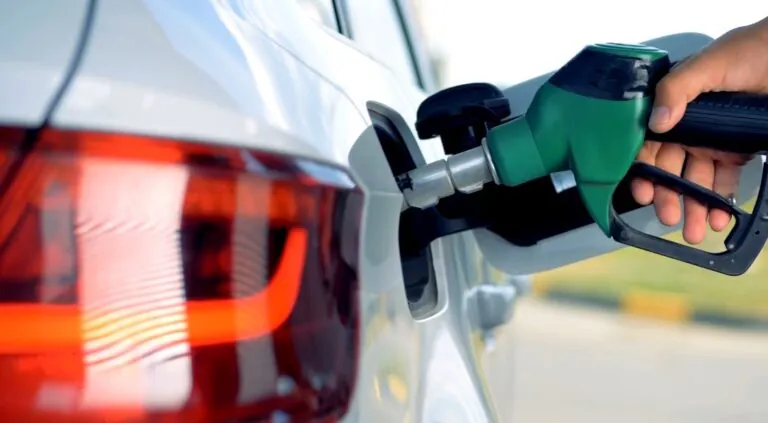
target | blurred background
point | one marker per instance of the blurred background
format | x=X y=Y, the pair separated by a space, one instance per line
x=627 y=337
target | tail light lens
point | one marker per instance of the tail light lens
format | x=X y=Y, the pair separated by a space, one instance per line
x=155 y=280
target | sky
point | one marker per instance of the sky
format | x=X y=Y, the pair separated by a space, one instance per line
x=505 y=41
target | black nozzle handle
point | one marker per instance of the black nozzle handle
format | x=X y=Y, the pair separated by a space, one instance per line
x=743 y=244
x=728 y=121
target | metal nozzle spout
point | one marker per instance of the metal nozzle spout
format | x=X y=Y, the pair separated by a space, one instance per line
x=465 y=172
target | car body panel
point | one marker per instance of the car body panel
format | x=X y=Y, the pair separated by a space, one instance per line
x=40 y=39
x=148 y=68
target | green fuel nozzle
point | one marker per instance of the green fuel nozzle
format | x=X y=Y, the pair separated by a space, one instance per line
x=590 y=118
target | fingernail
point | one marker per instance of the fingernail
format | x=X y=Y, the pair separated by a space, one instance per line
x=659 y=116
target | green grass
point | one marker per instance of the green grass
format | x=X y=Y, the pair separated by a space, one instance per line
x=628 y=269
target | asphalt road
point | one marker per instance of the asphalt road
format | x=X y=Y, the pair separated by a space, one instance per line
x=577 y=365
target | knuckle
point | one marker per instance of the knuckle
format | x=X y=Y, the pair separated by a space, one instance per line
x=669 y=86
x=666 y=83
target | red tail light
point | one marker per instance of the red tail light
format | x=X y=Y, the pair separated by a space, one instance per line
x=155 y=280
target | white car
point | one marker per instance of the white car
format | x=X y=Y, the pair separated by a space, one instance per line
x=200 y=220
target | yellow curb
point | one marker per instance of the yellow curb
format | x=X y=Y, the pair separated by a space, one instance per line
x=664 y=306
x=397 y=387
x=540 y=287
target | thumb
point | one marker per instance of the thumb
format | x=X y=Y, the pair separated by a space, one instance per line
x=673 y=93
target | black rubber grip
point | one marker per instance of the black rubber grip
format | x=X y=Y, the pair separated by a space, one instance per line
x=726 y=121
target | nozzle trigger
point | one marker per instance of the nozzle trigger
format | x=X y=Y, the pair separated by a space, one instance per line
x=742 y=245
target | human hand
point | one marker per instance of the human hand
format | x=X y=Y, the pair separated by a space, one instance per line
x=737 y=61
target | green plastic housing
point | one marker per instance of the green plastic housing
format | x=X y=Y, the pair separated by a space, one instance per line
x=596 y=139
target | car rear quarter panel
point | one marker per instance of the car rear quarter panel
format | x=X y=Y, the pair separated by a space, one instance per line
x=263 y=75
x=38 y=43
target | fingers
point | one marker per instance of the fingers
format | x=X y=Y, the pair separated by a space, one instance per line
x=670 y=103
x=642 y=190
x=700 y=171
x=671 y=158
x=673 y=93
x=726 y=182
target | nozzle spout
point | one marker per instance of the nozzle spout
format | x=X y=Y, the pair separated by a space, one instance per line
x=465 y=172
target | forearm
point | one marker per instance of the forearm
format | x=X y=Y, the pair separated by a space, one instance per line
x=762 y=28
